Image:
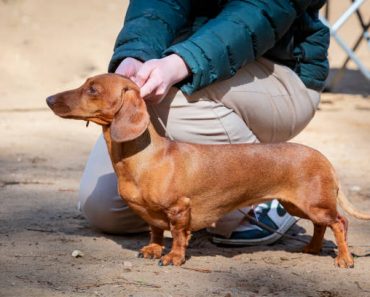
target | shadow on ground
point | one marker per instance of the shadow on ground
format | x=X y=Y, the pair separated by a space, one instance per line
x=347 y=81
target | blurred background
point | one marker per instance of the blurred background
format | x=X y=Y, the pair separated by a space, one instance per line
x=47 y=46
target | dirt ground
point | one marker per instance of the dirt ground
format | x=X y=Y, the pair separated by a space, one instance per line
x=48 y=46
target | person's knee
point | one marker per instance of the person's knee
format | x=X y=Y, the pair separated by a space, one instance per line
x=111 y=215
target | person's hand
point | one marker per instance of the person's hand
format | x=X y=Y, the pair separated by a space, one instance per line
x=156 y=76
x=129 y=67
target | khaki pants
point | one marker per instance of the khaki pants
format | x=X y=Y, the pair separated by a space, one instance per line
x=263 y=102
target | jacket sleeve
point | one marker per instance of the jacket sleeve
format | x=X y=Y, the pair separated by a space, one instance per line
x=149 y=28
x=314 y=48
x=243 y=31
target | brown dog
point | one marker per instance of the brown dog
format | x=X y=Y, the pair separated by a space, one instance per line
x=185 y=187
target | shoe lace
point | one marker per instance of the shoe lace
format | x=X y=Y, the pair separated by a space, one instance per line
x=268 y=228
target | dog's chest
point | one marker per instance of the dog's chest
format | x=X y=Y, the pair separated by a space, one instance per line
x=144 y=205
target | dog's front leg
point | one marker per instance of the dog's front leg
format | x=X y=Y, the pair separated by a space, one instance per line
x=155 y=247
x=179 y=217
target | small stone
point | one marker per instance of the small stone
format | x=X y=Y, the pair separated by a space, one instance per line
x=284 y=258
x=355 y=188
x=77 y=254
x=127 y=264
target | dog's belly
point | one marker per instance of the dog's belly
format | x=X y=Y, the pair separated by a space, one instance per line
x=207 y=211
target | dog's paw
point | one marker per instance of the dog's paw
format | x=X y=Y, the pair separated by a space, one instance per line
x=344 y=262
x=151 y=251
x=172 y=259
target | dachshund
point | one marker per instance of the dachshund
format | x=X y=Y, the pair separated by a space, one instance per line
x=184 y=187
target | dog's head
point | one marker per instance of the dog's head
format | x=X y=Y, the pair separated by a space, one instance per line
x=107 y=99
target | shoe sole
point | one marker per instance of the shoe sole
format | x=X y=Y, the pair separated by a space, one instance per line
x=258 y=241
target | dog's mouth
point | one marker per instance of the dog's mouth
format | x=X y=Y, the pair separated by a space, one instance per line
x=64 y=111
x=60 y=109
x=98 y=121
x=94 y=119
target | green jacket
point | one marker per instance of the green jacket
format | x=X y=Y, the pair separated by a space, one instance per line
x=217 y=37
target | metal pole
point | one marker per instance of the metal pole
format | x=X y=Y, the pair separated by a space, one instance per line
x=347 y=14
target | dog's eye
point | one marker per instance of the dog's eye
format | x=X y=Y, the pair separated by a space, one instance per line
x=92 y=91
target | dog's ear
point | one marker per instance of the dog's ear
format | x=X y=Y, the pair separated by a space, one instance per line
x=132 y=119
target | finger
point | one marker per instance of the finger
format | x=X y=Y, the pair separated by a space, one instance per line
x=149 y=87
x=161 y=91
x=144 y=73
x=122 y=70
x=129 y=67
x=157 y=96
x=125 y=69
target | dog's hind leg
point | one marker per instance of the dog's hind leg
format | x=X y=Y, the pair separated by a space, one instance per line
x=329 y=216
x=345 y=224
x=155 y=247
x=314 y=246
x=339 y=228
x=179 y=216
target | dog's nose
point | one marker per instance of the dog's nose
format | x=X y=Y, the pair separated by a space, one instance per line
x=50 y=101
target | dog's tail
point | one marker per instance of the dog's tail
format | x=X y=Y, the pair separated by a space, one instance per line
x=349 y=208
